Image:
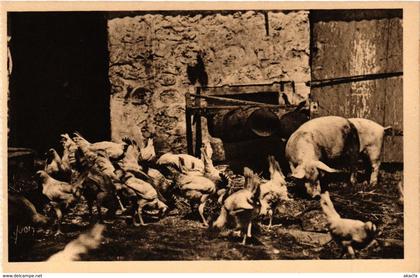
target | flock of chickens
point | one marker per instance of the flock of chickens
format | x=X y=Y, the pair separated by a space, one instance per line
x=124 y=176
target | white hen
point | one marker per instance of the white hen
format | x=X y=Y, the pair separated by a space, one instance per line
x=349 y=233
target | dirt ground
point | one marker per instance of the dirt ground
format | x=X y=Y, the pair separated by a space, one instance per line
x=299 y=231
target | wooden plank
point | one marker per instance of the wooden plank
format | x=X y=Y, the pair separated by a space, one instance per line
x=188 y=123
x=352 y=79
x=393 y=115
x=189 y=131
x=393 y=90
x=241 y=89
x=330 y=100
x=231 y=107
x=393 y=149
x=237 y=101
x=339 y=47
x=198 y=135
x=357 y=47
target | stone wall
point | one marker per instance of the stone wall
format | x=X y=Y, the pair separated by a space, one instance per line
x=149 y=54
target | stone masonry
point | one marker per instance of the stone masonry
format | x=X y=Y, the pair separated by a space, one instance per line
x=149 y=54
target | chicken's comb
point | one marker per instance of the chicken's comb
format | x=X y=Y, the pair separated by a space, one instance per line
x=248 y=172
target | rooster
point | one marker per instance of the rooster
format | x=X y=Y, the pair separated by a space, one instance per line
x=115 y=151
x=62 y=195
x=273 y=191
x=55 y=167
x=242 y=206
x=221 y=180
x=163 y=186
x=349 y=233
x=194 y=187
x=147 y=154
x=129 y=161
x=146 y=194
x=80 y=245
x=96 y=160
x=98 y=188
x=69 y=151
x=99 y=185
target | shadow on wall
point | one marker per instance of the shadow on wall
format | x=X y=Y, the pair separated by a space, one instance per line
x=60 y=80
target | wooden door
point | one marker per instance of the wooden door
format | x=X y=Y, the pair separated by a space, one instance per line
x=363 y=49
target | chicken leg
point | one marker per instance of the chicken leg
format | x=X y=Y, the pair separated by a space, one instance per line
x=201 y=210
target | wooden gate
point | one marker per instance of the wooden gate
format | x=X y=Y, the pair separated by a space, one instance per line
x=357 y=62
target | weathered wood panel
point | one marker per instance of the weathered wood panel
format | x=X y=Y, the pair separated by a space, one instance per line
x=393 y=115
x=349 y=45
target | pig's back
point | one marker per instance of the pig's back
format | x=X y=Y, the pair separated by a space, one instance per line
x=328 y=137
x=327 y=125
x=370 y=132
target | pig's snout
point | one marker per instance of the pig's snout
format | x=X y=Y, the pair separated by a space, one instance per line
x=264 y=210
x=313 y=190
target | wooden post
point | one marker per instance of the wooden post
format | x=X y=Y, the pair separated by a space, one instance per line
x=197 y=114
x=188 y=123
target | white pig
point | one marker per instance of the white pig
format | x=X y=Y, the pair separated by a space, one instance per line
x=371 y=136
x=329 y=138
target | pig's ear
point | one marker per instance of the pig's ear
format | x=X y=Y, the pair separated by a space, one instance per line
x=322 y=166
x=299 y=172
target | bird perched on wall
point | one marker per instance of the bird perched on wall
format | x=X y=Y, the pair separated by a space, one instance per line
x=349 y=233
x=197 y=72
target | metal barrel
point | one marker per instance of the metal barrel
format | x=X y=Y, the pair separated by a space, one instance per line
x=242 y=124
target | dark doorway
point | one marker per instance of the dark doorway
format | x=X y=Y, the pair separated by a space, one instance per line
x=59 y=81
